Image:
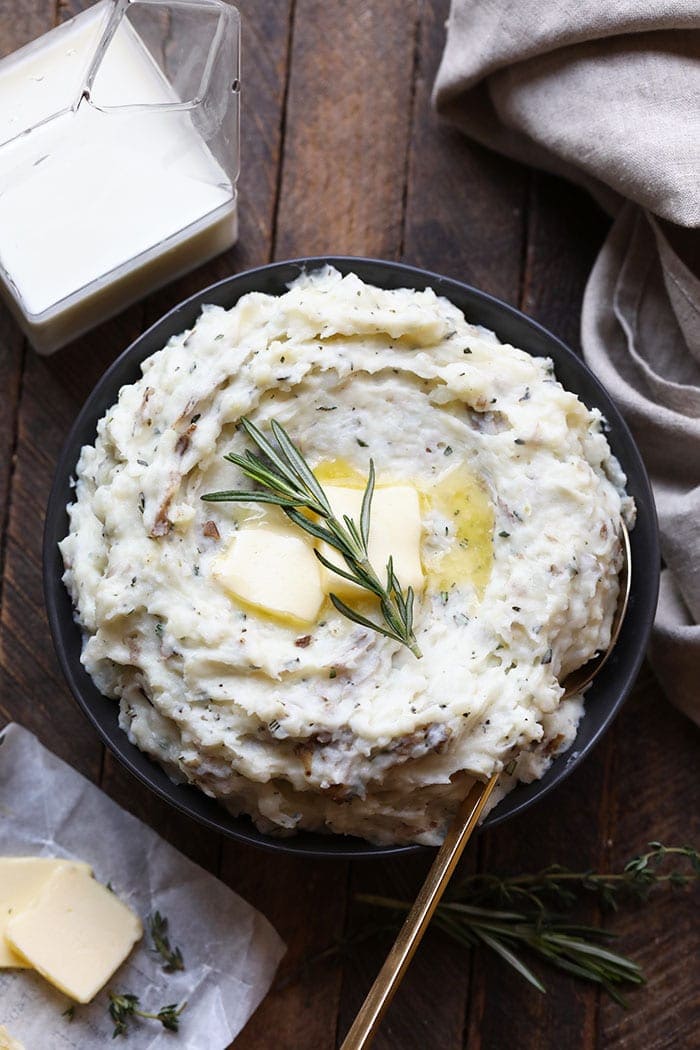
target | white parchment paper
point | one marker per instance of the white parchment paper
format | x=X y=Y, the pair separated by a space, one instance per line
x=231 y=952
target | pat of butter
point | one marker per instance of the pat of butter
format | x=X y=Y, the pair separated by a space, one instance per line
x=21 y=880
x=7 y=1042
x=274 y=570
x=75 y=933
x=394 y=532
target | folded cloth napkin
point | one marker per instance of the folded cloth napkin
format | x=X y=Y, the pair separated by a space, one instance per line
x=607 y=93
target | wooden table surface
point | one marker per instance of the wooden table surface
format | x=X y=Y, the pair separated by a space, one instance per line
x=342 y=154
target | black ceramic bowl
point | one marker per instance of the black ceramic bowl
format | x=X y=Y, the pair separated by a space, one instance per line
x=607 y=692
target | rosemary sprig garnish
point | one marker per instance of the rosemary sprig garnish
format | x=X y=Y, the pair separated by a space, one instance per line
x=288 y=482
x=125 y=1006
x=531 y=914
x=172 y=957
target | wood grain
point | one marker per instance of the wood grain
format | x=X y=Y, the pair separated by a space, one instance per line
x=561 y=826
x=347 y=128
x=454 y=190
x=656 y=796
x=338 y=168
x=342 y=153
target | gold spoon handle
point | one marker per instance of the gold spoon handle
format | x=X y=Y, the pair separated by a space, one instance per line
x=410 y=935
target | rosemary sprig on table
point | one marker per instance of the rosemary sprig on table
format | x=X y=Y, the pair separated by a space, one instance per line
x=125 y=1006
x=288 y=482
x=172 y=957
x=538 y=920
x=558 y=886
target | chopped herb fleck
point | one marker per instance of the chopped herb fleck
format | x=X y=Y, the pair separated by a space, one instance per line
x=547 y=658
x=361 y=443
x=332 y=673
x=448 y=450
x=519 y=441
x=503 y=534
x=445 y=595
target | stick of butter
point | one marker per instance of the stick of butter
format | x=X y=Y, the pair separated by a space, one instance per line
x=394 y=532
x=75 y=933
x=21 y=880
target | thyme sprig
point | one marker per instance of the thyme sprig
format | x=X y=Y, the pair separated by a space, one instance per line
x=124 y=1006
x=560 y=887
x=288 y=482
x=172 y=957
x=534 y=915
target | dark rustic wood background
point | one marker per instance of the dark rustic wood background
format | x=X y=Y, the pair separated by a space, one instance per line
x=342 y=154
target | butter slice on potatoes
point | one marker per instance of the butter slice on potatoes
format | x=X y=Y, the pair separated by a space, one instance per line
x=75 y=933
x=275 y=570
x=21 y=880
x=394 y=531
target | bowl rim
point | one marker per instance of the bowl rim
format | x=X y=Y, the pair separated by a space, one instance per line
x=404 y=275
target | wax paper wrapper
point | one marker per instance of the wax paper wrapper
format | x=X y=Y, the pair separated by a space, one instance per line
x=230 y=951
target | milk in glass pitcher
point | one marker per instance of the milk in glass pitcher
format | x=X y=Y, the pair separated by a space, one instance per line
x=119 y=143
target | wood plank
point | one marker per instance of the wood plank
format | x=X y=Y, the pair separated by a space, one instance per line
x=465 y=207
x=347 y=129
x=338 y=194
x=20 y=23
x=655 y=797
x=464 y=217
x=346 y=138
x=564 y=232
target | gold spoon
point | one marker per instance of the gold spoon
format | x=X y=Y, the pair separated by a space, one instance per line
x=411 y=933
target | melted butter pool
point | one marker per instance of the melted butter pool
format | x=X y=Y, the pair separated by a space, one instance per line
x=463 y=500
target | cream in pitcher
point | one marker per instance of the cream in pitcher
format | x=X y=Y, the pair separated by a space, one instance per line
x=118 y=159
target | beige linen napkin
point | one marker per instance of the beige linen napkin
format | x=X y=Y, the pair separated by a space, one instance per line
x=607 y=93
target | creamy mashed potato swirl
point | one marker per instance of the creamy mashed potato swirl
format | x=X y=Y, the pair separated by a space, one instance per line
x=334 y=727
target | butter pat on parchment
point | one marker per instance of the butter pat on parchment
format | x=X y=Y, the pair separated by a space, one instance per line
x=75 y=933
x=21 y=880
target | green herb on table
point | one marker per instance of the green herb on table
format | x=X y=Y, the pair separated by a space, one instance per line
x=520 y=917
x=172 y=957
x=288 y=482
x=124 y=1007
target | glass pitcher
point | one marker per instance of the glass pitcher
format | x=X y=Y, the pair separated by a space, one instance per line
x=119 y=152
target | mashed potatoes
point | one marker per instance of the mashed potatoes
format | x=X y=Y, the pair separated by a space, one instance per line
x=335 y=727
